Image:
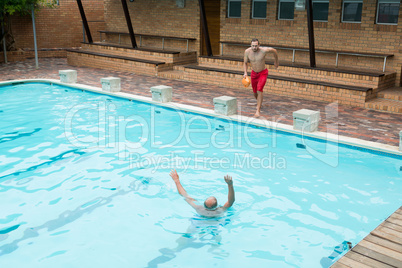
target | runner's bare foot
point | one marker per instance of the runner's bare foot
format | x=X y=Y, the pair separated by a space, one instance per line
x=257 y=114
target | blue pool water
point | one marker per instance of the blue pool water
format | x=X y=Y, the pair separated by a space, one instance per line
x=84 y=183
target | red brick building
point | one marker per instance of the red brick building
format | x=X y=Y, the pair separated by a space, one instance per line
x=342 y=25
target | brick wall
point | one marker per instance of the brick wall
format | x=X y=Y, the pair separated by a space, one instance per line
x=59 y=27
x=13 y=56
x=364 y=37
x=156 y=17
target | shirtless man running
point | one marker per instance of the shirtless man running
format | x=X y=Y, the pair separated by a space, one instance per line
x=256 y=56
x=210 y=208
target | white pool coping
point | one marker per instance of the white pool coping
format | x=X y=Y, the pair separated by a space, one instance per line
x=375 y=146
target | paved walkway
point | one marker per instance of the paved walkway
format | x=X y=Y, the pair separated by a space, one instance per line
x=350 y=121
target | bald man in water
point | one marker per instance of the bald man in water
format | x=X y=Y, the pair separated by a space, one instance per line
x=210 y=208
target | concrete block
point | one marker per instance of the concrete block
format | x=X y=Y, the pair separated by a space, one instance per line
x=161 y=93
x=110 y=84
x=400 y=140
x=225 y=105
x=68 y=76
x=306 y=120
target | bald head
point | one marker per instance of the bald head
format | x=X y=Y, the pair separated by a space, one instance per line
x=210 y=203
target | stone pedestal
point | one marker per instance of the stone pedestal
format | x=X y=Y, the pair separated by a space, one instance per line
x=68 y=76
x=161 y=93
x=110 y=84
x=225 y=105
x=306 y=120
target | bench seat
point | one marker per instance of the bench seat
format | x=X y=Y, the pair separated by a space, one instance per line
x=121 y=63
x=139 y=49
x=150 y=35
x=305 y=66
x=307 y=49
x=156 y=63
x=282 y=78
x=163 y=37
x=385 y=56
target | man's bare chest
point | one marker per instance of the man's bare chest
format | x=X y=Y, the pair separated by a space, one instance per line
x=256 y=57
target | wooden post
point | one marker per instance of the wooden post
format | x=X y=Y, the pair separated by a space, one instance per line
x=205 y=27
x=84 y=21
x=129 y=25
x=310 y=24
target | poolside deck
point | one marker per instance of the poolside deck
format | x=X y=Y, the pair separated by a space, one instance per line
x=381 y=248
x=352 y=122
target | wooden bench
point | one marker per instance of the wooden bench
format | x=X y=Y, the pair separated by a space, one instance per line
x=148 y=36
x=139 y=49
x=304 y=66
x=156 y=63
x=283 y=78
x=294 y=49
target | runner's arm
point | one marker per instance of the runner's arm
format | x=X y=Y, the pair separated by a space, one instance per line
x=245 y=63
x=273 y=50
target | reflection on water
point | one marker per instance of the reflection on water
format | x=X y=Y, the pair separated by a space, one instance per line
x=201 y=232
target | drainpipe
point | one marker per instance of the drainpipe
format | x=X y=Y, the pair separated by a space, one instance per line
x=34 y=33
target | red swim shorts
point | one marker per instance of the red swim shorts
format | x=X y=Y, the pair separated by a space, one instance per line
x=258 y=80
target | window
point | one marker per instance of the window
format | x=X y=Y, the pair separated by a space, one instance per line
x=234 y=8
x=352 y=10
x=286 y=10
x=259 y=9
x=387 y=11
x=320 y=10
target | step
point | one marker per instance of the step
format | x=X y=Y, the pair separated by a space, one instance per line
x=376 y=80
x=385 y=105
x=176 y=57
x=113 y=56
x=394 y=93
x=291 y=87
x=277 y=77
x=79 y=57
x=173 y=74
x=239 y=61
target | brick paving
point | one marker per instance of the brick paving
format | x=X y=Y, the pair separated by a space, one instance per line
x=350 y=121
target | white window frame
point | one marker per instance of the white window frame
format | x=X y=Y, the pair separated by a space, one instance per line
x=321 y=1
x=252 y=10
x=343 y=8
x=378 y=9
x=229 y=9
x=279 y=9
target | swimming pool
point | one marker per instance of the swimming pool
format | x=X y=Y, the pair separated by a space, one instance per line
x=84 y=183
